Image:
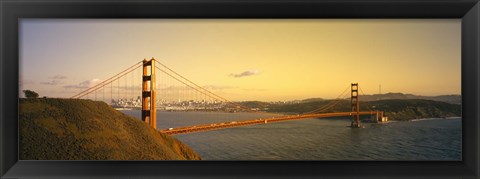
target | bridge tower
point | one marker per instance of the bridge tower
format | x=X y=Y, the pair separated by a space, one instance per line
x=355 y=101
x=149 y=111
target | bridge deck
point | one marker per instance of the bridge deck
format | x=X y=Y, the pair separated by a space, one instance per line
x=215 y=126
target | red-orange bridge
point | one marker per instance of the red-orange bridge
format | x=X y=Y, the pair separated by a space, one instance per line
x=121 y=88
x=208 y=127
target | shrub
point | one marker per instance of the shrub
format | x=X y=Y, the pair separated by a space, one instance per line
x=30 y=94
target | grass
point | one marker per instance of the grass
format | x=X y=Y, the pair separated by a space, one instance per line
x=74 y=129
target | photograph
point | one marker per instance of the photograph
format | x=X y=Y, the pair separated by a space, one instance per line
x=240 y=89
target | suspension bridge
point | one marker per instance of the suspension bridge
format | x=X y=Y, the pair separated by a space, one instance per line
x=149 y=86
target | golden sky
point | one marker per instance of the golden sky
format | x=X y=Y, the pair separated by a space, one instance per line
x=249 y=59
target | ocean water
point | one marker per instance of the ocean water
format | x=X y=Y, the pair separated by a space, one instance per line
x=316 y=139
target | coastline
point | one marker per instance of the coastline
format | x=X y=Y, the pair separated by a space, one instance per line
x=428 y=119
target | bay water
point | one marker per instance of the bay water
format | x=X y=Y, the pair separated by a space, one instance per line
x=316 y=139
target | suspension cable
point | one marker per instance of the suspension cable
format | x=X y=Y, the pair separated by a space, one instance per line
x=107 y=81
x=334 y=102
x=224 y=99
x=203 y=92
x=366 y=102
x=206 y=92
x=331 y=105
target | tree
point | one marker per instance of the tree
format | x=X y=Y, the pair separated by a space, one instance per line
x=30 y=94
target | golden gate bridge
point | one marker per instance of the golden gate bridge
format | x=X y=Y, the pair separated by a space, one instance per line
x=139 y=87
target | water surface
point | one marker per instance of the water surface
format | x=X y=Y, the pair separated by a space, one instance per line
x=316 y=139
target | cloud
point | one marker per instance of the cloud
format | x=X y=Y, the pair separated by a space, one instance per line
x=26 y=82
x=217 y=87
x=53 y=82
x=245 y=73
x=58 y=77
x=128 y=88
x=254 y=89
x=56 y=80
x=84 y=84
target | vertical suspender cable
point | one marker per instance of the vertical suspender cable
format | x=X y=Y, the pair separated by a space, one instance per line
x=111 y=93
x=118 y=91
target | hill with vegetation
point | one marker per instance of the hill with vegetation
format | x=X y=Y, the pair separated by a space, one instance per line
x=74 y=129
x=395 y=109
x=417 y=109
x=453 y=99
x=255 y=104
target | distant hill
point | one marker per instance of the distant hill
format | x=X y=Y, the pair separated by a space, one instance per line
x=298 y=108
x=312 y=100
x=409 y=109
x=395 y=109
x=73 y=129
x=255 y=104
x=453 y=99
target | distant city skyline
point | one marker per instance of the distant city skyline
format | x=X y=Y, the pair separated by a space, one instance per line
x=265 y=60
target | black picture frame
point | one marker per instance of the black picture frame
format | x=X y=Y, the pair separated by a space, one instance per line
x=12 y=11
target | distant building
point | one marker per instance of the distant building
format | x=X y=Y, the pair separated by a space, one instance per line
x=384 y=119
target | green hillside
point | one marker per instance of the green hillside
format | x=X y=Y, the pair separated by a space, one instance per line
x=73 y=129
x=416 y=109
x=395 y=109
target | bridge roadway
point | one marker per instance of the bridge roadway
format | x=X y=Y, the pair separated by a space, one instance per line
x=215 y=126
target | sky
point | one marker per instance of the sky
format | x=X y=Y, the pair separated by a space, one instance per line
x=254 y=59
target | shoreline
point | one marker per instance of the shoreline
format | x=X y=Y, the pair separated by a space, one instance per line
x=428 y=119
